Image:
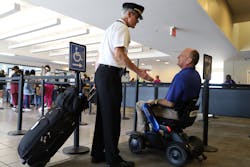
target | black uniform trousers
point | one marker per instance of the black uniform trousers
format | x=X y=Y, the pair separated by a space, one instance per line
x=108 y=116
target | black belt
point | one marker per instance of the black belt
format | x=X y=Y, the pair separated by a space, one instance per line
x=111 y=67
x=120 y=70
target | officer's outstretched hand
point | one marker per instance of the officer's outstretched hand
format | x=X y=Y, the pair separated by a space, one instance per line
x=143 y=74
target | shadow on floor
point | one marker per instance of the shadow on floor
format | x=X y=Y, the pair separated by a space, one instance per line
x=229 y=135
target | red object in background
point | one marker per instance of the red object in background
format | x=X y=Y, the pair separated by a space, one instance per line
x=173 y=31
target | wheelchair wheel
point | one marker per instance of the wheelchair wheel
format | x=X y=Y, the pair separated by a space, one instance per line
x=136 y=144
x=176 y=154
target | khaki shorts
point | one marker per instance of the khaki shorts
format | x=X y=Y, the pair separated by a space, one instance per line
x=158 y=110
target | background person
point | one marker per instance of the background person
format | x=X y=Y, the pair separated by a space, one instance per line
x=109 y=69
x=49 y=88
x=185 y=86
x=14 y=87
x=27 y=92
x=2 y=83
x=32 y=97
x=86 y=78
x=37 y=96
x=229 y=82
x=157 y=79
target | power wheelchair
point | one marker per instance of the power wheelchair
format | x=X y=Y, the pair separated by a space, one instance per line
x=168 y=134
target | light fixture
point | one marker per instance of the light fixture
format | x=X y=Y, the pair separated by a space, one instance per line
x=7 y=54
x=60 y=62
x=50 y=39
x=30 y=29
x=158 y=60
x=8 y=9
x=92 y=54
x=62 y=53
x=135 y=50
x=49 y=49
x=53 y=48
x=166 y=62
x=91 y=59
x=66 y=52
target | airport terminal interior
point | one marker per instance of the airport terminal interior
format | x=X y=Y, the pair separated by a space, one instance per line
x=35 y=33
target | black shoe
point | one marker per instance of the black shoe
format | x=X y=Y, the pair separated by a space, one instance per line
x=126 y=164
x=98 y=159
x=121 y=163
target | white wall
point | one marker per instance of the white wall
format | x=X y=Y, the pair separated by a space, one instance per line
x=167 y=72
x=237 y=68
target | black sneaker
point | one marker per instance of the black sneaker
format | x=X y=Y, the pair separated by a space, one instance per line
x=126 y=164
x=98 y=159
x=121 y=163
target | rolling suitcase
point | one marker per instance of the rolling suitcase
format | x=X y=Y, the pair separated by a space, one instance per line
x=50 y=132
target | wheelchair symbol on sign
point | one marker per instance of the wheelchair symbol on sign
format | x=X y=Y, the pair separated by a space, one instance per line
x=77 y=56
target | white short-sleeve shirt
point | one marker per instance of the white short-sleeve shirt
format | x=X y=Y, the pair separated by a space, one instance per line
x=116 y=35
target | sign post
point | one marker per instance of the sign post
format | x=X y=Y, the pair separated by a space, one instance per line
x=77 y=63
x=207 y=69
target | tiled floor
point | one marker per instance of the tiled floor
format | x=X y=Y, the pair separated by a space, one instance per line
x=229 y=135
x=9 y=143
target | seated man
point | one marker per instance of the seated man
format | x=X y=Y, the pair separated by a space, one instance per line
x=185 y=85
x=229 y=83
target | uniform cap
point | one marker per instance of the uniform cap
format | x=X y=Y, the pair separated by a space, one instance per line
x=135 y=7
x=15 y=68
x=47 y=67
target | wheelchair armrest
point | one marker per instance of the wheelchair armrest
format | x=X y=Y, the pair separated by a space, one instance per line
x=146 y=108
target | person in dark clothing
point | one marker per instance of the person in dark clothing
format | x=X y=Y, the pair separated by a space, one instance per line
x=14 y=86
x=2 y=83
x=109 y=69
x=229 y=83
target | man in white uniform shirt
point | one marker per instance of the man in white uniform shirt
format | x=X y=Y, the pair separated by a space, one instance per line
x=109 y=68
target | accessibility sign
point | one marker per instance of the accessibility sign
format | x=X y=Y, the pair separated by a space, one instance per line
x=77 y=57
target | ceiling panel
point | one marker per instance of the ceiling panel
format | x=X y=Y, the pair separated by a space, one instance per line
x=194 y=28
x=240 y=10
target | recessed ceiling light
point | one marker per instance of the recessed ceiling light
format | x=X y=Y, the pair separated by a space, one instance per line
x=157 y=60
x=166 y=62
x=142 y=64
